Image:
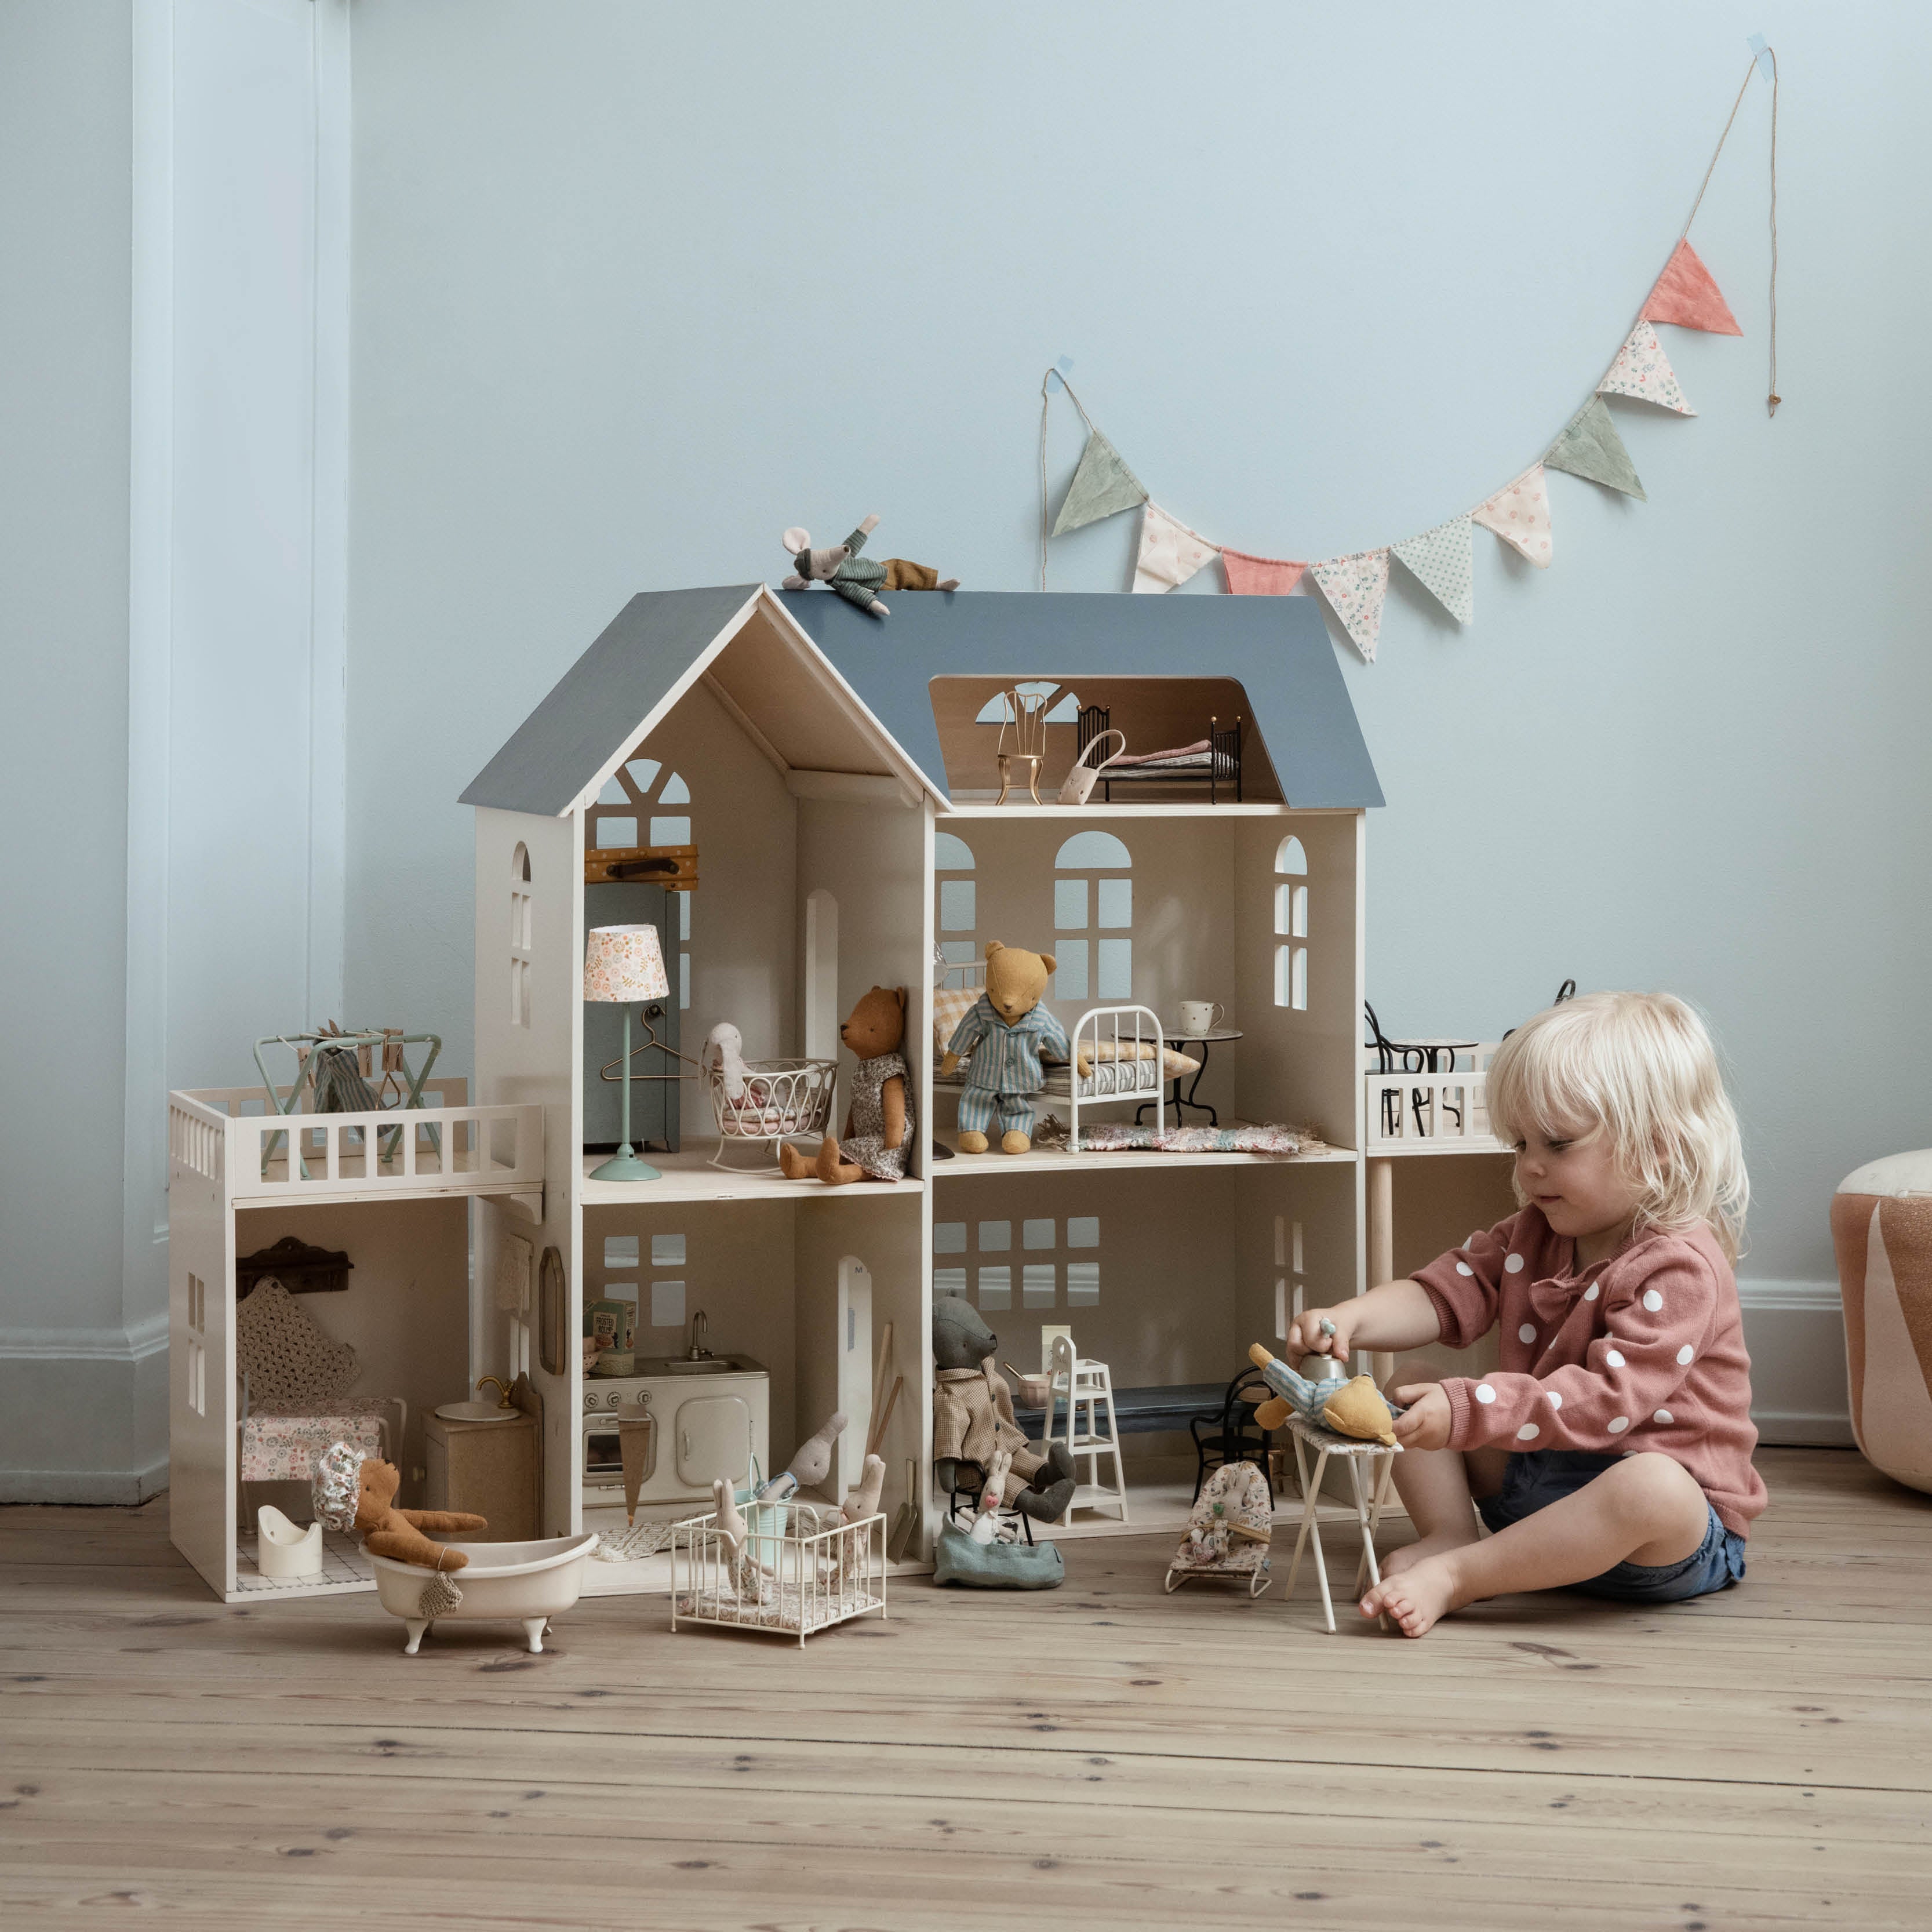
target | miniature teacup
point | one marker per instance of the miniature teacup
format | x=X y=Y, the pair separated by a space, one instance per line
x=1200 y=1016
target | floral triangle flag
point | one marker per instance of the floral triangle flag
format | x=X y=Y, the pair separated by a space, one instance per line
x=1687 y=297
x=1260 y=576
x=1170 y=553
x=1590 y=447
x=1642 y=370
x=1355 y=587
x=1103 y=486
x=1520 y=516
x=1442 y=561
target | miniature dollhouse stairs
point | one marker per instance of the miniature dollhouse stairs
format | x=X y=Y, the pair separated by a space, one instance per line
x=831 y=825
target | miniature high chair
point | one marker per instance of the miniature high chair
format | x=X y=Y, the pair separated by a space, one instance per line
x=1087 y=1388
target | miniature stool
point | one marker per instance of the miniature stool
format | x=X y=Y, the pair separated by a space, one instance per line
x=1371 y=1492
x=1087 y=1388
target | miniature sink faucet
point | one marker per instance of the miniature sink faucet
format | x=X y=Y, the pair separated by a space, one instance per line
x=699 y=1327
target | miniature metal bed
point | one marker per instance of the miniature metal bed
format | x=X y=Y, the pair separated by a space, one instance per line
x=1217 y=764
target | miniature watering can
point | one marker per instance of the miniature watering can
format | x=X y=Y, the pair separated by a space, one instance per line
x=1354 y=1408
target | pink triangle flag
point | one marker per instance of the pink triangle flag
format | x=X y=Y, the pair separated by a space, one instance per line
x=1687 y=297
x=1260 y=576
x=1170 y=553
x=1355 y=587
x=1643 y=370
x=1520 y=516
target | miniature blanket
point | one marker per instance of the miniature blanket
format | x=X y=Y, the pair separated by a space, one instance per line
x=283 y=1445
x=1235 y=1137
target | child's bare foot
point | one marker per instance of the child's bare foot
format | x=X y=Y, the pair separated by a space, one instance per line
x=1416 y=1599
x=1423 y=1548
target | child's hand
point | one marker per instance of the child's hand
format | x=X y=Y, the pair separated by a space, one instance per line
x=1305 y=1336
x=1425 y=1425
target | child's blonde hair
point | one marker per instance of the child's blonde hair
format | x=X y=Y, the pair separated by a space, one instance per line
x=1639 y=1067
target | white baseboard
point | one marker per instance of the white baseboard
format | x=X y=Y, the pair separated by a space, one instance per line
x=1795 y=1333
x=83 y=1413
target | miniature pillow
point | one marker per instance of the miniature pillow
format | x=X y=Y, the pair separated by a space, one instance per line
x=1173 y=1065
x=285 y=1355
x=950 y=1005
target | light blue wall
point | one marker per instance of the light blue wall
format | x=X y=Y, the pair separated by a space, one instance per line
x=636 y=286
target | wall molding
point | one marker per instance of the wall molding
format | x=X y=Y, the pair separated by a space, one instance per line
x=1796 y=1297
x=134 y=1343
x=110 y=1488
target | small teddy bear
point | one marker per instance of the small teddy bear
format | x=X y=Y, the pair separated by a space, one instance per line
x=398 y=1533
x=857 y=579
x=878 y=1125
x=1007 y=1032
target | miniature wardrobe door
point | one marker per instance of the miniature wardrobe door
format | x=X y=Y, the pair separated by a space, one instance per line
x=654 y=1103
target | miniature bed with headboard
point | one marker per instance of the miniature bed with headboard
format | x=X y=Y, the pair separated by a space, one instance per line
x=1214 y=761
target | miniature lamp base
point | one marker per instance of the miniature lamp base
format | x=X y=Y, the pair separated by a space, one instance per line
x=624 y=1165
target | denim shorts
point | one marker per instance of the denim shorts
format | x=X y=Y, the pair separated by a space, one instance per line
x=1540 y=1476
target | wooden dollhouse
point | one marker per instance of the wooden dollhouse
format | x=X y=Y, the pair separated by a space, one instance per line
x=800 y=798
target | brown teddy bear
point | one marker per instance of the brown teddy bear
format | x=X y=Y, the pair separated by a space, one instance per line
x=878 y=1126
x=1007 y=1032
x=398 y=1533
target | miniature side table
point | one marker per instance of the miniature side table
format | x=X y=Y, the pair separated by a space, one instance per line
x=1183 y=1041
x=1371 y=1491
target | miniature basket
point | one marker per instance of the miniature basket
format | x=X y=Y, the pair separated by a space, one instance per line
x=782 y=1098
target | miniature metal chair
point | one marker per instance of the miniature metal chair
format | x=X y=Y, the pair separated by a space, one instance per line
x=1233 y=1434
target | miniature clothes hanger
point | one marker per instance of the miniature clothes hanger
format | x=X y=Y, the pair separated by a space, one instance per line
x=644 y=1045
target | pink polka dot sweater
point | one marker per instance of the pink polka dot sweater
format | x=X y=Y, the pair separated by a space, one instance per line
x=1643 y=1350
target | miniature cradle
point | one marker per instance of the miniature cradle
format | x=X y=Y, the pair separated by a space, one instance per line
x=1228 y=1530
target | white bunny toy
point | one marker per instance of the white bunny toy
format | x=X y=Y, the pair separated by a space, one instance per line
x=729 y=1044
x=986 y=1524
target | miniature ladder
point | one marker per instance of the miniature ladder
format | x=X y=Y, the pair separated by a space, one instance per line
x=1087 y=1389
x=1371 y=1497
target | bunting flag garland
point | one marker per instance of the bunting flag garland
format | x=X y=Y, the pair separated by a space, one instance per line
x=1643 y=370
x=1103 y=486
x=1686 y=297
x=1443 y=562
x=1591 y=448
x=1170 y=553
x=1355 y=587
x=1520 y=516
x=1260 y=576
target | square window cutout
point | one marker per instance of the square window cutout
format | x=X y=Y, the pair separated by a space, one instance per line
x=667 y=1304
x=1036 y=1234
x=949 y=1237
x=949 y=1281
x=1037 y=1284
x=996 y=1288
x=1083 y=1231
x=620 y=1251
x=995 y=1237
x=666 y=1250
x=1083 y=1284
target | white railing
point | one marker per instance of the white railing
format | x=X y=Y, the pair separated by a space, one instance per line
x=1442 y=1109
x=798 y=1569
x=263 y=1155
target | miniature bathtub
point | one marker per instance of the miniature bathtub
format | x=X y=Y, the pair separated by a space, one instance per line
x=527 y=1583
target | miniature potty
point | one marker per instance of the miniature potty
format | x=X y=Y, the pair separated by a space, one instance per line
x=1229 y=1530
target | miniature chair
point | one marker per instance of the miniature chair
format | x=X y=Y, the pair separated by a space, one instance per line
x=1371 y=1493
x=964 y=1501
x=1231 y=1434
x=1087 y=1388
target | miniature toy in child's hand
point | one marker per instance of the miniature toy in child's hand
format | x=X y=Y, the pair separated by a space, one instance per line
x=858 y=579
x=878 y=1126
x=1008 y=1033
x=1358 y=1407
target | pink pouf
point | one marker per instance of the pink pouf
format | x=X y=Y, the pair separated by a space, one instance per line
x=1882 y=1229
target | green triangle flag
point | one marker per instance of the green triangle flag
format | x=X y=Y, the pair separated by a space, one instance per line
x=1591 y=448
x=1103 y=486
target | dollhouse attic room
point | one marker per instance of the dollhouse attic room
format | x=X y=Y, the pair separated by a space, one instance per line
x=941 y=940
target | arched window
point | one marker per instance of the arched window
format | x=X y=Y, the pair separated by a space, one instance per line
x=1064 y=710
x=1291 y=925
x=520 y=935
x=955 y=914
x=1094 y=892
x=644 y=794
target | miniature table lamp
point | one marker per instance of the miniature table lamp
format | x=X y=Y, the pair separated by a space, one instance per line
x=625 y=964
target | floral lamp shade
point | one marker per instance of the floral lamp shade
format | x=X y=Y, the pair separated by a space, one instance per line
x=623 y=963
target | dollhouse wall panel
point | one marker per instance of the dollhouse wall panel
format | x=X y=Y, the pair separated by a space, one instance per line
x=887 y=1235
x=870 y=858
x=201 y=1375
x=743 y=946
x=529 y=1051
x=1301 y=1064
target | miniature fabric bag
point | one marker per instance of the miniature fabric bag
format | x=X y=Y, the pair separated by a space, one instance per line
x=957 y=1558
x=1078 y=787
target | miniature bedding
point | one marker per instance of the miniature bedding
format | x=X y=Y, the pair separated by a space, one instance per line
x=786 y=1608
x=1173 y=1065
x=283 y=1444
x=1235 y=1137
x=284 y=1352
x=1196 y=757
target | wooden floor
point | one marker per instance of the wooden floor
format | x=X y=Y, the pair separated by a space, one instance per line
x=1104 y=1755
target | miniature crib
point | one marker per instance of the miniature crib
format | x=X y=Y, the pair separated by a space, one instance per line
x=803 y=1571
x=781 y=1099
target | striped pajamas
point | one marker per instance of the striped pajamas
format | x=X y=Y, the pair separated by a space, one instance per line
x=1004 y=1067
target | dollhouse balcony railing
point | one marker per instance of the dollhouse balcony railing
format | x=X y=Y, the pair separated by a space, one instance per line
x=1444 y=1109
x=230 y=1137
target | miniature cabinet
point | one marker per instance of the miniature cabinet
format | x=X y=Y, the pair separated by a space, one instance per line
x=829 y=781
x=493 y=1468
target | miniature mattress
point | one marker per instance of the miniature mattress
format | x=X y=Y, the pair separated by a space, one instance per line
x=787 y=1608
x=752 y=1119
x=1267 y=1137
x=283 y=1445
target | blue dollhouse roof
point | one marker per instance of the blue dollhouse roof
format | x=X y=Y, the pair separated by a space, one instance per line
x=658 y=646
